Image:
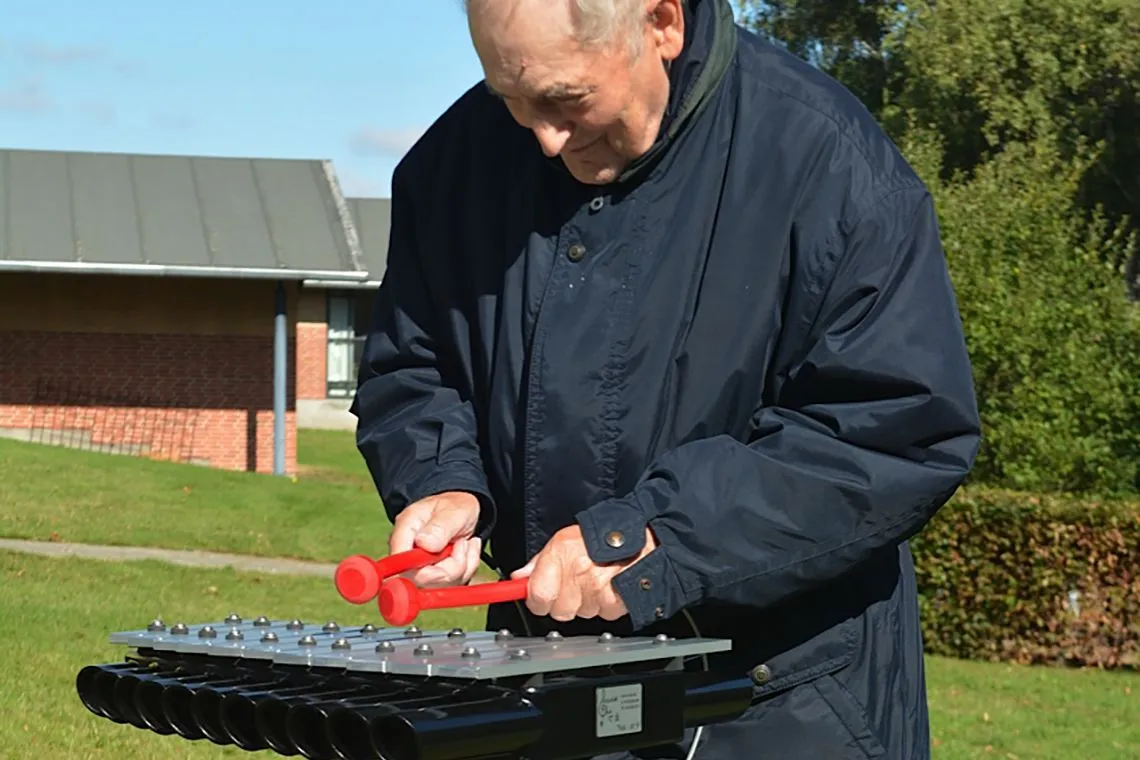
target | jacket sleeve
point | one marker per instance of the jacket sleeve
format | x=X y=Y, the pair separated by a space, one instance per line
x=415 y=430
x=873 y=430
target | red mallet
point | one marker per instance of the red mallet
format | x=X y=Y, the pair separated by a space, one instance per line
x=401 y=600
x=358 y=578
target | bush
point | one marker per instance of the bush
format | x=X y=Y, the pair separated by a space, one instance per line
x=1054 y=342
x=996 y=569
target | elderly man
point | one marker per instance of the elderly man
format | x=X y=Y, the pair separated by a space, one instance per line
x=667 y=323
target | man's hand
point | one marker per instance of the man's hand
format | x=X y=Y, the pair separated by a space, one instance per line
x=433 y=523
x=565 y=583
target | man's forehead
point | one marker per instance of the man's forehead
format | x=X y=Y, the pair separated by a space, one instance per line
x=559 y=77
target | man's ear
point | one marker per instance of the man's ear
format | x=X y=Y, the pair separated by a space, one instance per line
x=667 y=22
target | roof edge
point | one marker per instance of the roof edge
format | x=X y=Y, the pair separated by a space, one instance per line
x=318 y=282
x=347 y=223
x=162 y=270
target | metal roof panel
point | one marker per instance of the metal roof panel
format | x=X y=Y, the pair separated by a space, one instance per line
x=127 y=213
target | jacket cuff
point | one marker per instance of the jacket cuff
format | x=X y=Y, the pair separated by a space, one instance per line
x=456 y=477
x=614 y=531
x=651 y=590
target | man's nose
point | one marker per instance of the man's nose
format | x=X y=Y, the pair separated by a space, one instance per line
x=551 y=137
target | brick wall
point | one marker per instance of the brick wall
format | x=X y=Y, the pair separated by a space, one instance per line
x=171 y=368
x=312 y=344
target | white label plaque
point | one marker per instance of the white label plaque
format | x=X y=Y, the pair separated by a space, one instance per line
x=618 y=710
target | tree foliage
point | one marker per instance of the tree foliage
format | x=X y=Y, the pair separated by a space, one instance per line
x=987 y=73
x=1022 y=116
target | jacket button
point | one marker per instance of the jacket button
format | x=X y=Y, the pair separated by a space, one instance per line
x=659 y=612
x=615 y=539
x=761 y=674
x=645 y=584
x=577 y=252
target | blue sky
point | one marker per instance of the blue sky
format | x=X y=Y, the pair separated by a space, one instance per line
x=354 y=82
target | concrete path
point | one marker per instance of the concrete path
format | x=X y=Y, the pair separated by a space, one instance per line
x=173 y=556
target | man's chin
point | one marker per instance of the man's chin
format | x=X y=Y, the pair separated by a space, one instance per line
x=590 y=173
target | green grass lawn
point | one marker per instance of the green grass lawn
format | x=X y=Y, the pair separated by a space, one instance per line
x=331 y=511
x=55 y=615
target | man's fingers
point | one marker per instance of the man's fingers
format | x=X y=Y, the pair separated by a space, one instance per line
x=567 y=603
x=431 y=577
x=610 y=604
x=445 y=525
x=473 y=558
x=524 y=571
x=544 y=586
x=589 y=607
x=407 y=525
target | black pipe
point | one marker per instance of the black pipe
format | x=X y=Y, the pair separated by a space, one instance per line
x=714 y=701
x=123 y=696
x=350 y=732
x=239 y=716
x=206 y=707
x=476 y=729
x=271 y=714
x=145 y=696
x=175 y=699
x=307 y=724
x=94 y=683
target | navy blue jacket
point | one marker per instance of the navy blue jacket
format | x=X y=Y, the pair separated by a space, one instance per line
x=750 y=343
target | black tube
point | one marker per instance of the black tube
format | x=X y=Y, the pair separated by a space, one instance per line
x=307 y=726
x=350 y=731
x=308 y=723
x=476 y=729
x=716 y=701
x=177 y=703
x=238 y=712
x=148 y=704
x=123 y=696
x=94 y=684
x=206 y=707
x=244 y=724
x=272 y=715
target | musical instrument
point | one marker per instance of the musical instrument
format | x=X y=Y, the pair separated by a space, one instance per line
x=364 y=692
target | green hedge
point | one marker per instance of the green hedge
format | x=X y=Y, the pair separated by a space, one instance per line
x=996 y=569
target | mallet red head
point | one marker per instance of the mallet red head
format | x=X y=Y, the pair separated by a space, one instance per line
x=399 y=601
x=357 y=579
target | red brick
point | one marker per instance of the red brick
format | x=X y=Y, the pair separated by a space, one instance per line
x=193 y=381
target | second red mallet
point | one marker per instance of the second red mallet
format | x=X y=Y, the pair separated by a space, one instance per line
x=401 y=600
x=358 y=578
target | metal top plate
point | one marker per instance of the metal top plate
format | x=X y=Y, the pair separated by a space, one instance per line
x=410 y=651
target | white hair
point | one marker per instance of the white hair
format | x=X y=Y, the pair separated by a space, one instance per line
x=601 y=22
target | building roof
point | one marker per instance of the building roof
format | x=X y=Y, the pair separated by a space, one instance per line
x=175 y=215
x=372 y=219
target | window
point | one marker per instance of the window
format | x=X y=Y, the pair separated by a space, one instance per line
x=349 y=316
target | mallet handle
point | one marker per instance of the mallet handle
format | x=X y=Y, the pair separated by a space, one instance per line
x=401 y=600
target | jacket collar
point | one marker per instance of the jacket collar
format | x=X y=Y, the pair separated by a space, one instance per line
x=710 y=44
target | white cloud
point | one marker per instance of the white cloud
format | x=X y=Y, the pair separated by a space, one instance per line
x=174 y=121
x=372 y=141
x=28 y=96
x=37 y=52
x=98 y=111
x=356 y=185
